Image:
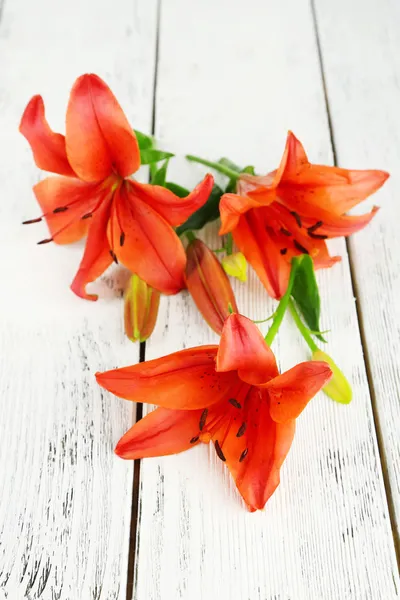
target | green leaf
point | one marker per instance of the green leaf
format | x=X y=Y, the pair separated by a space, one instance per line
x=306 y=294
x=178 y=190
x=160 y=176
x=206 y=213
x=151 y=155
x=144 y=141
x=249 y=169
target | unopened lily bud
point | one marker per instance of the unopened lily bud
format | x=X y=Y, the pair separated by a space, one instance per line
x=235 y=265
x=140 y=310
x=338 y=388
x=209 y=285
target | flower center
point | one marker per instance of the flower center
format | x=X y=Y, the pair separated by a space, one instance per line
x=217 y=423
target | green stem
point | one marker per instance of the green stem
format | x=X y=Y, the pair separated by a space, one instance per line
x=214 y=165
x=265 y=320
x=301 y=327
x=190 y=236
x=282 y=306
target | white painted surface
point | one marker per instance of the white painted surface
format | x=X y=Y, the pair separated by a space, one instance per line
x=232 y=80
x=364 y=93
x=65 y=499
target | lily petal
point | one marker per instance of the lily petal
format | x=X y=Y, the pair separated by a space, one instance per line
x=342 y=225
x=290 y=392
x=321 y=257
x=242 y=348
x=48 y=147
x=64 y=201
x=304 y=185
x=99 y=138
x=96 y=258
x=173 y=209
x=150 y=246
x=231 y=208
x=261 y=251
x=160 y=433
x=267 y=443
x=184 y=380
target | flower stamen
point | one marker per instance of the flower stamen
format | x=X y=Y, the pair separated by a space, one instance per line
x=314 y=227
x=219 y=452
x=296 y=217
x=30 y=221
x=285 y=232
x=234 y=403
x=241 y=429
x=243 y=455
x=300 y=248
x=317 y=236
x=203 y=419
x=114 y=256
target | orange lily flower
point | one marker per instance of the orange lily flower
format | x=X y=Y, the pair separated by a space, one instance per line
x=209 y=285
x=292 y=211
x=125 y=221
x=232 y=395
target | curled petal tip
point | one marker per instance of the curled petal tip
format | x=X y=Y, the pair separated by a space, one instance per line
x=35 y=103
x=119 y=451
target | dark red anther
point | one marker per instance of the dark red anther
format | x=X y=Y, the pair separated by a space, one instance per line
x=46 y=241
x=60 y=209
x=203 y=419
x=234 y=403
x=241 y=430
x=314 y=227
x=114 y=256
x=285 y=232
x=219 y=452
x=194 y=439
x=300 y=248
x=122 y=239
x=317 y=236
x=283 y=251
x=32 y=221
x=296 y=217
x=244 y=454
x=87 y=216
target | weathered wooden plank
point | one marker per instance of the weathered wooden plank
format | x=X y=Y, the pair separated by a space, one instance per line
x=364 y=94
x=232 y=81
x=65 y=499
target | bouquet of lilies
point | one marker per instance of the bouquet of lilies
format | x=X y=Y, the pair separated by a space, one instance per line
x=231 y=395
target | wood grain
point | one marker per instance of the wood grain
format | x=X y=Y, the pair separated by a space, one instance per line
x=364 y=94
x=231 y=82
x=65 y=499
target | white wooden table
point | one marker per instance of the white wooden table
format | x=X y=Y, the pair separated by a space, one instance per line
x=213 y=77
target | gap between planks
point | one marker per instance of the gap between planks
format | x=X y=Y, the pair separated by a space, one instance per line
x=354 y=286
x=135 y=512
